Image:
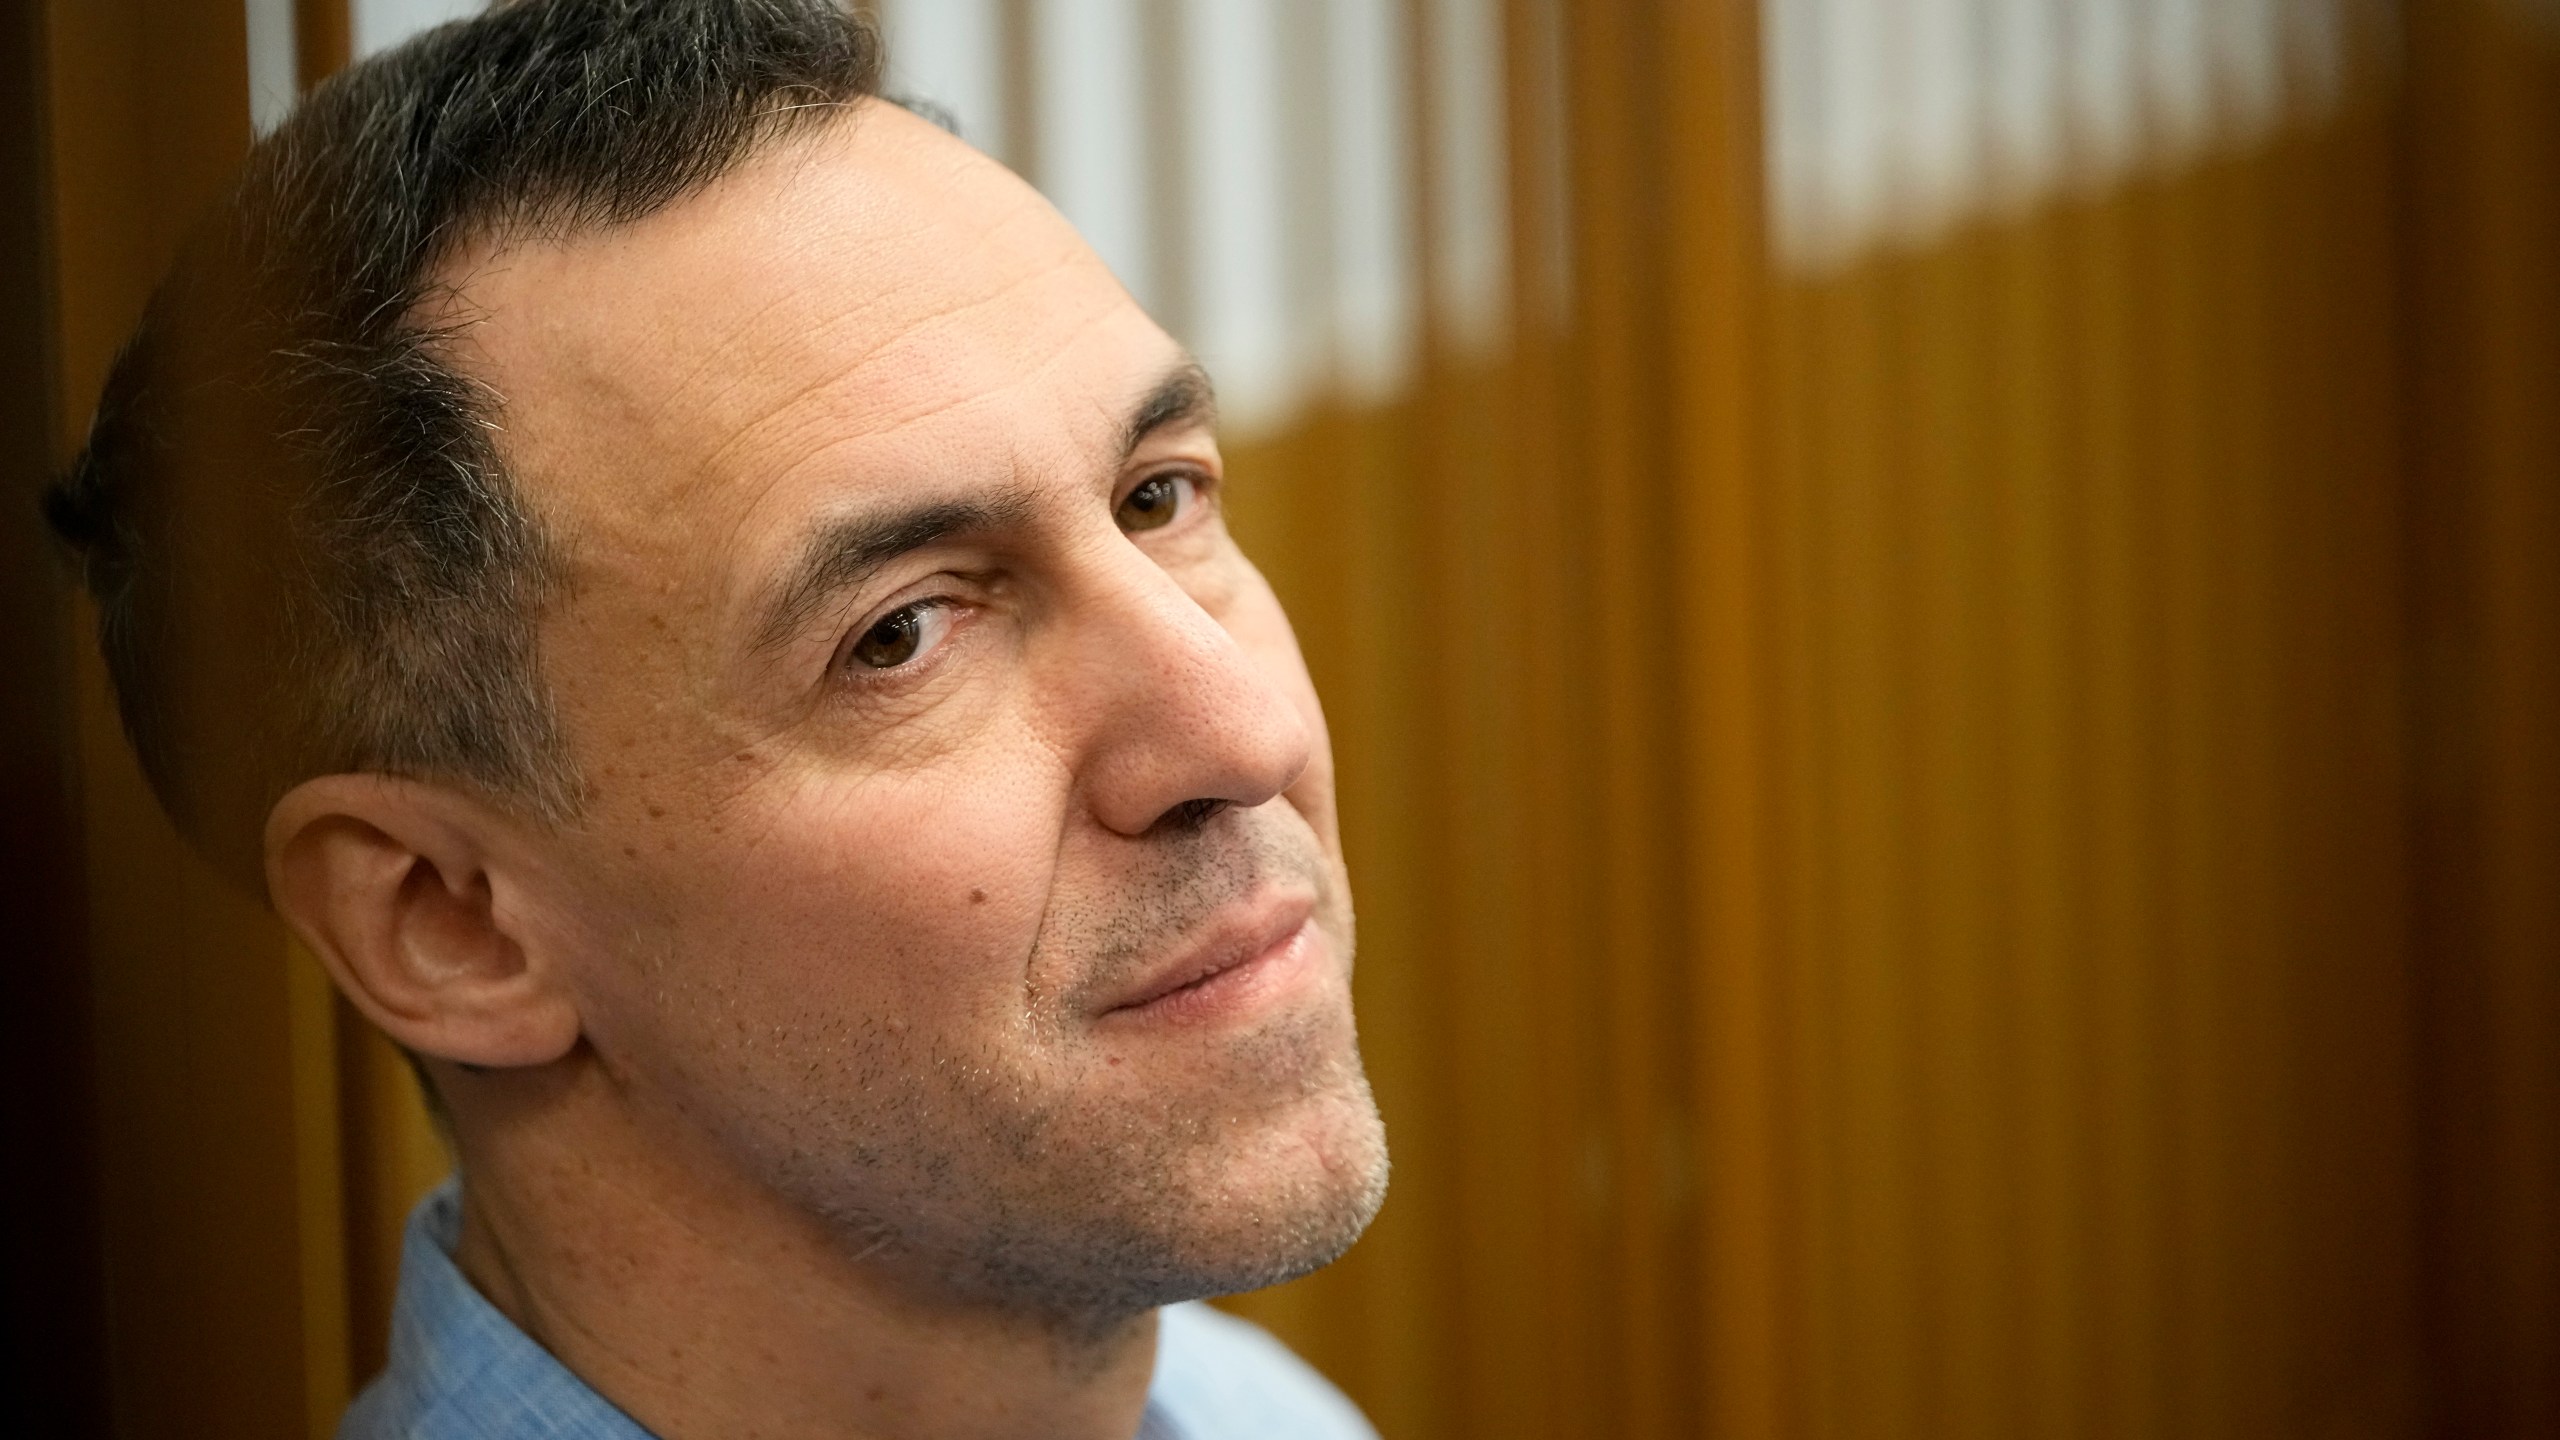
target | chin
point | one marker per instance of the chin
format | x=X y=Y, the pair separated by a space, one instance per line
x=1274 y=1194
x=1238 y=1208
x=1293 y=1204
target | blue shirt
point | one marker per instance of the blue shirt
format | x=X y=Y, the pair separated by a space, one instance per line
x=461 y=1371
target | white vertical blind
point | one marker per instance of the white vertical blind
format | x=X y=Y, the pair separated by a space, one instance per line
x=1298 y=171
x=948 y=52
x=2024 y=89
x=274 y=71
x=1371 y=168
x=1290 y=150
x=1930 y=88
x=1245 y=328
x=1891 y=121
x=1471 y=196
x=381 y=24
x=2178 y=74
x=2102 y=100
x=1090 y=106
x=2248 y=37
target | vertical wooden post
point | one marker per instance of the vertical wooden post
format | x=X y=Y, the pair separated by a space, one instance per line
x=50 y=1247
x=323 y=39
x=2481 y=167
x=217 y=1161
x=1720 y=578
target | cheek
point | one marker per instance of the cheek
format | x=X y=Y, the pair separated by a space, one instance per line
x=831 y=906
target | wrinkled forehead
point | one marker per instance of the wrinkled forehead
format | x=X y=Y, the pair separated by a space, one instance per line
x=856 y=297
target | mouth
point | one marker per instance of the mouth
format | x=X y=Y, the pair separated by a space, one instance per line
x=1245 y=954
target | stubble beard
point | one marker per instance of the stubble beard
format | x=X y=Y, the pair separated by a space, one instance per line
x=978 y=1183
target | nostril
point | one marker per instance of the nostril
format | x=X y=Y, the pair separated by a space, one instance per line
x=1190 y=814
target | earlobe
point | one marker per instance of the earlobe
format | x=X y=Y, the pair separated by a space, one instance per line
x=393 y=884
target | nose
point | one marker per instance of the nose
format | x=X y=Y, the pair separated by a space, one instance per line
x=1179 y=718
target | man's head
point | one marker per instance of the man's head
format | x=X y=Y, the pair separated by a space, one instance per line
x=774 y=653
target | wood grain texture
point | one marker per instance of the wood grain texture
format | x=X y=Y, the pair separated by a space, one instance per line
x=2482 y=207
x=1960 y=845
x=1951 y=748
x=213 y=1209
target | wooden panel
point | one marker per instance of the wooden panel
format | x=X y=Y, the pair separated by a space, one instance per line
x=2096 y=876
x=1717 y=364
x=1879 y=798
x=1372 y=1321
x=1907 y=869
x=49 y=1241
x=2483 y=210
x=217 y=1154
x=323 y=39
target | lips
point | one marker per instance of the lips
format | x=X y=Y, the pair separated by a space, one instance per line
x=1232 y=950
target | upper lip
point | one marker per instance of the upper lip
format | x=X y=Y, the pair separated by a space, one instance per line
x=1235 y=934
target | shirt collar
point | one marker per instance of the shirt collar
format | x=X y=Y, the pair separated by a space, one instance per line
x=460 y=1370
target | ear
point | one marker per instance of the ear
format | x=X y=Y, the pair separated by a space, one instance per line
x=392 y=883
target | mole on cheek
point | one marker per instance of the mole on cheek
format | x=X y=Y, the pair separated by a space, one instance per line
x=977 y=897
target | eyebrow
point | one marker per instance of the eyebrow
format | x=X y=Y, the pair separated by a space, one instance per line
x=1183 y=396
x=845 y=553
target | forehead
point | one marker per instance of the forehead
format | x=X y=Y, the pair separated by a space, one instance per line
x=866 y=306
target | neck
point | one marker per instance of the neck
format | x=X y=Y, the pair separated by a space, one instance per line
x=705 y=1305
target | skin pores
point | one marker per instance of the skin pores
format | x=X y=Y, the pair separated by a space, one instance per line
x=983 y=900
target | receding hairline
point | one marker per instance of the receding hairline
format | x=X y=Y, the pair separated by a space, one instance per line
x=783 y=127
x=447 y=305
x=405 y=575
x=463 y=299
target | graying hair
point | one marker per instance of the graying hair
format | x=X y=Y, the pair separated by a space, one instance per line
x=305 y=553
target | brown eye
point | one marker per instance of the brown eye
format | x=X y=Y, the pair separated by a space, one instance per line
x=894 y=641
x=1154 y=504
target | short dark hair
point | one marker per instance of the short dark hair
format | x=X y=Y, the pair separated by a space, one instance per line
x=284 y=472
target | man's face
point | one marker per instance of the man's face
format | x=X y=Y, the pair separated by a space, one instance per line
x=939 y=739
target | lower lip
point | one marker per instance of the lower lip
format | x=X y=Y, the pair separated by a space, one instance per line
x=1238 y=990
